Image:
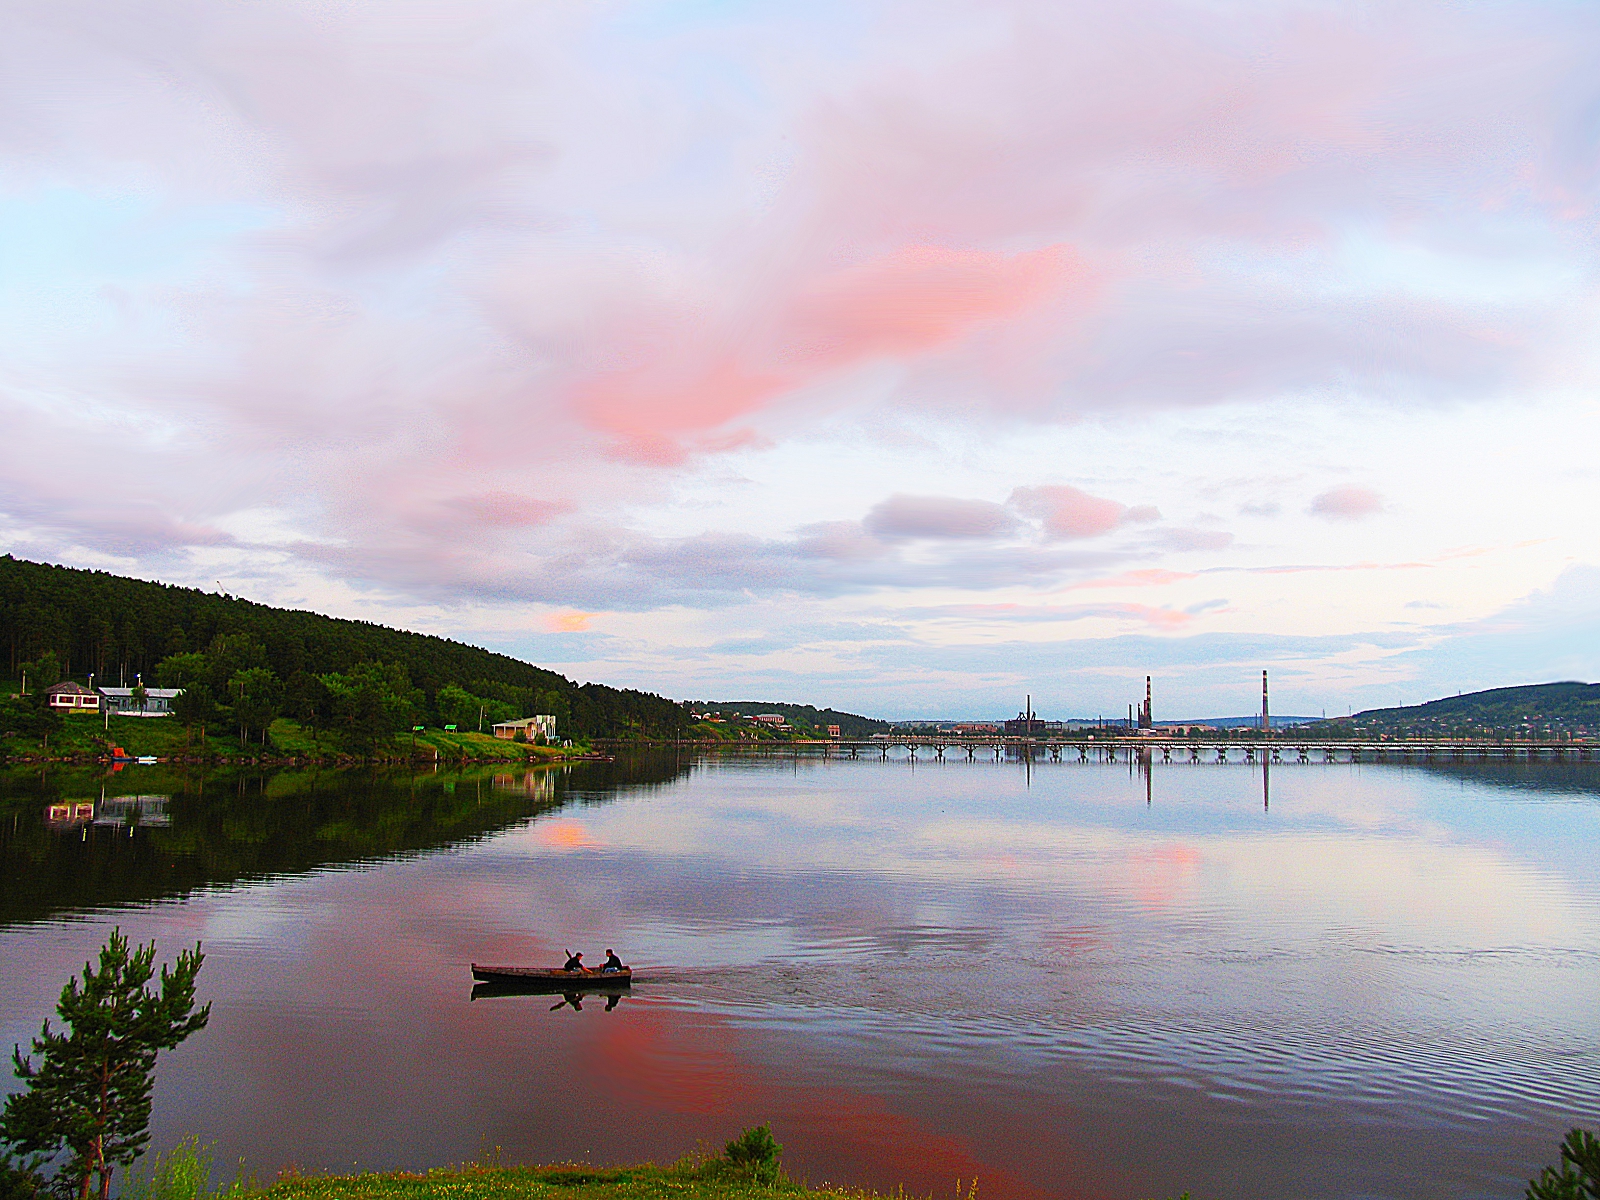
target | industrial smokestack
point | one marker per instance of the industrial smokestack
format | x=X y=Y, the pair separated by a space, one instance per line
x=1266 y=721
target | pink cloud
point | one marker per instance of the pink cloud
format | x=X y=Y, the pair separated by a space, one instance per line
x=909 y=302
x=496 y=262
x=1068 y=512
x=1347 y=503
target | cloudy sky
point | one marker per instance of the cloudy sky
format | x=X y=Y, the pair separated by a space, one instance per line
x=904 y=356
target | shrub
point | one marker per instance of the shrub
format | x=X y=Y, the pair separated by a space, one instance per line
x=1579 y=1177
x=756 y=1151
x=185 y=1174
x=181 y=1175
x=20 y=1180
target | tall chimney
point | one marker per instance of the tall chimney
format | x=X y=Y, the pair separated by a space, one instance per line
x=1266 y=721
x=1145 y=715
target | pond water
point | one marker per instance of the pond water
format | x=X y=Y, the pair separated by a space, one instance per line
x=1063 y=980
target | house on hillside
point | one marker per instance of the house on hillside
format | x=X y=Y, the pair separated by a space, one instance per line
x=771 y=720
x=529 y=727
x=157 y=701
x=71 y=697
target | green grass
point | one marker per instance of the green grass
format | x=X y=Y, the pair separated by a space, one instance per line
x=85 y=735
x=712 y=1179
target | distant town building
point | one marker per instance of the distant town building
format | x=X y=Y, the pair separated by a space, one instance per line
x=833 y=732
x=971 y=727
x=530 y=727
x=157 y=701
x=1025 y=724
x=72 y=697
x=771 y=720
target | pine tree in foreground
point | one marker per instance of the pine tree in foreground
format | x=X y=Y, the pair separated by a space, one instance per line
x=89 y=1094
x=1579 y=1176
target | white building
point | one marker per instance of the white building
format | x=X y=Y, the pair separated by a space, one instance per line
x=71 y=696
x=157 y=701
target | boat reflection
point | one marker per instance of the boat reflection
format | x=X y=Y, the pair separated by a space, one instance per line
x=571 y=997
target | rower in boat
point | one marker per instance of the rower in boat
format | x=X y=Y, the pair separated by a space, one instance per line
x=574 y=961
x=612 y=963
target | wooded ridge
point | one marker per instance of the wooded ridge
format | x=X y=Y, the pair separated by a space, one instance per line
x=76 y=621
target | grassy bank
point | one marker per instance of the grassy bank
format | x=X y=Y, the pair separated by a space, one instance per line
x=714 y=1180
x=84 y=736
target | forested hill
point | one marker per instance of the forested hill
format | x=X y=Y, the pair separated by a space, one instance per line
x=94 y=621
x=850 y=724
x=1533 y=709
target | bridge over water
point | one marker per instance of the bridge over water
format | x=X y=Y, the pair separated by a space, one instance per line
x=995 y=748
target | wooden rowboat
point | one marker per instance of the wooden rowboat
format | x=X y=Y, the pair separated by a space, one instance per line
x=554 y=978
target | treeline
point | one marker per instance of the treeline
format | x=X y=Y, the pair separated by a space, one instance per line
x=1535 y=709
x=245 y=663
x=803 y=715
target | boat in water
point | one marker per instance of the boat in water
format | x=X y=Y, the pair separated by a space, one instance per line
x=553 y=979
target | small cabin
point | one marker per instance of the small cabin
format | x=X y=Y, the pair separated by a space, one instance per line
x=71 y=697
x=529 y=727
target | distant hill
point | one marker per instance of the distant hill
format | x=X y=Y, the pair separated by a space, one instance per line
x=1252 y=722
x=1569 y=707
x=850 y=724
x=119 y=627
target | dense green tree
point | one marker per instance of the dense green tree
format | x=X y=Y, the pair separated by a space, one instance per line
x=30 y=716
x=373 y=701
x=89 y=1094
x=457 y=706
x=182 y=670
x=307 y=699
x=257 y=698
x=43 y=672
x=228 y=655
x=195 y=705
x=68 y=612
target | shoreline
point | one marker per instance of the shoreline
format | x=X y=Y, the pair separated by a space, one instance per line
x=694 y=1176
x=278 y=760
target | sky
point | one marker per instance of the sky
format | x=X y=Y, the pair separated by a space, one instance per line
x=905 y=357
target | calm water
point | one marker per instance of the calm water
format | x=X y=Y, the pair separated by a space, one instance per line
x=1069 y=981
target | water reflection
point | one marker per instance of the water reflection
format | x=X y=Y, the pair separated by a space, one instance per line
x=1065 y=979
x=135 y=843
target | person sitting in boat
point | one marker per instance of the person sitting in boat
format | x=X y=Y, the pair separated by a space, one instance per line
x=574 y=962
x=613 y=963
